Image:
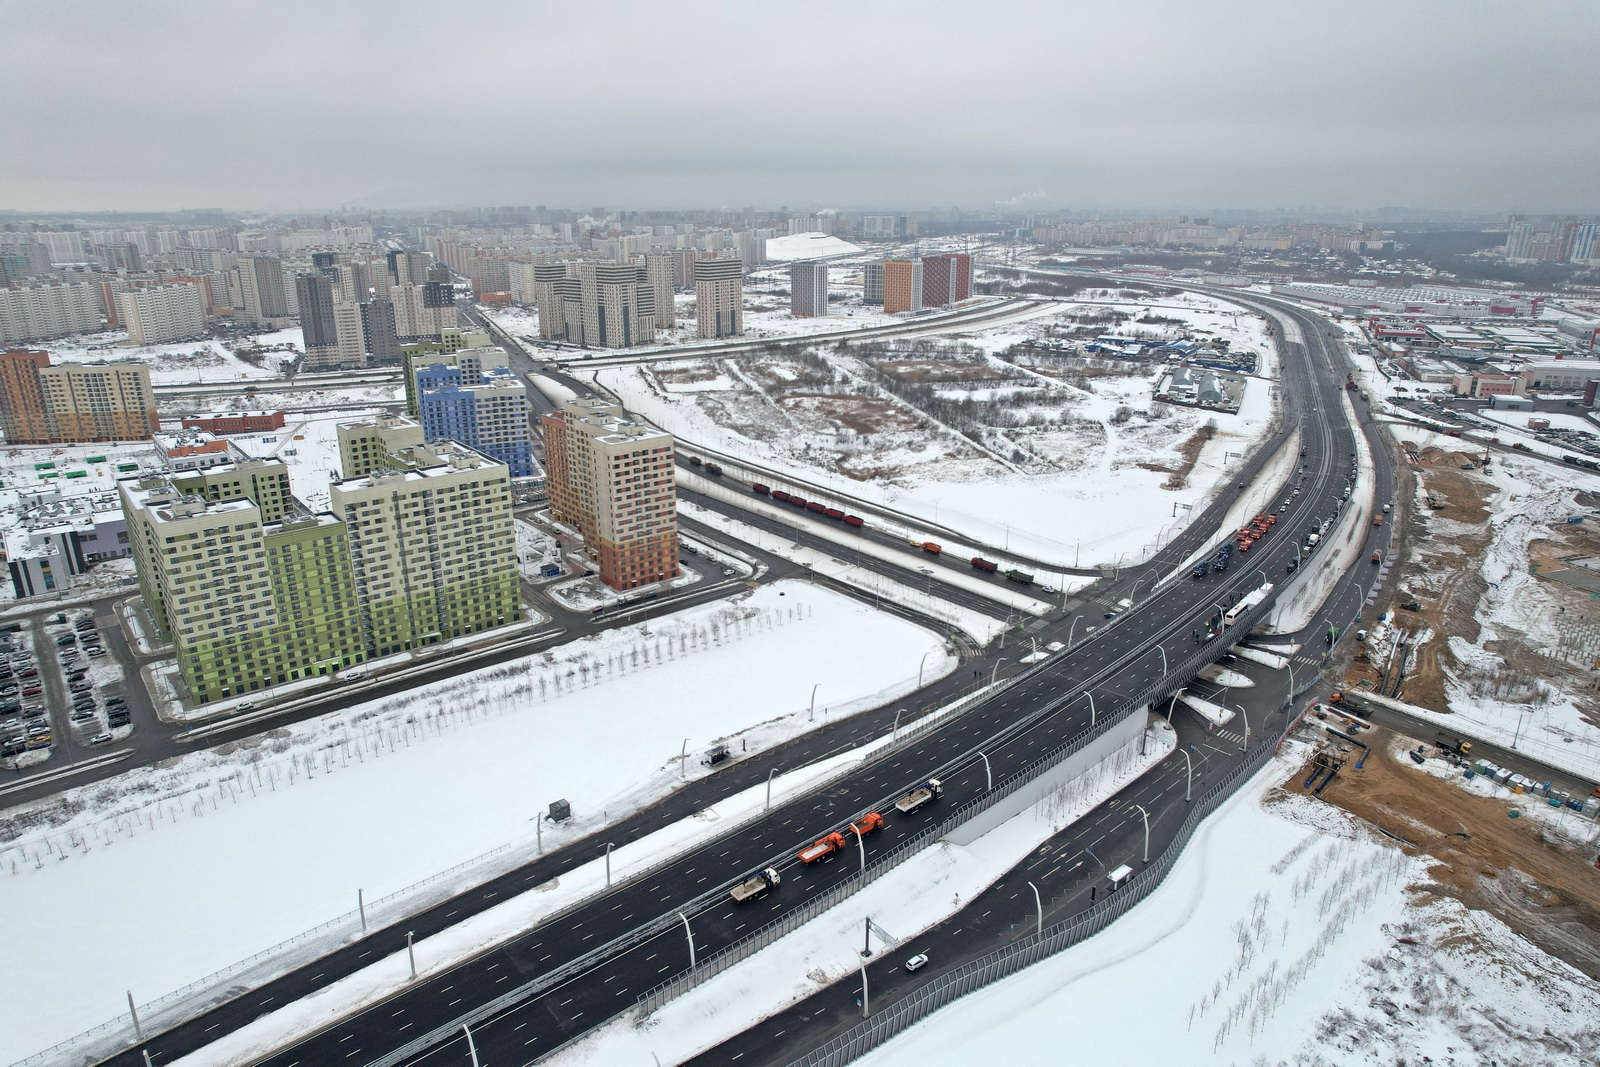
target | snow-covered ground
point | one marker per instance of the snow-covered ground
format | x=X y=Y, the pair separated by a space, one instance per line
x=1202 y=971
x=372 y=798
x=191 y=362
x=308 y=444
x=1065 y=461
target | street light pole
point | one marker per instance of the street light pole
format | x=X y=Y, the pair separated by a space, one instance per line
x=1146 y=831
x=995 y=672
x=690 y=935
x=609 y=847
x=1170 y=705
x=861 y=840
x=472 y=1050
x=770 y=773
x=895 y=736
x=812 y=714
x=1188 y=782
x=1038 y=909
x=988 y=778
x=1070 y=629
x=1092 y=715
x=1245 y=716
x=1163 y=652
x=683 y=760
x=924 y=663
x=866 y=1008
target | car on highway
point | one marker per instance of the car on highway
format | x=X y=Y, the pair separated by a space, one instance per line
x=917 y=962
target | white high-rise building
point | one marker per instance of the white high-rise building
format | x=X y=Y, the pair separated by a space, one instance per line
x=41 y=312
x=160 y=314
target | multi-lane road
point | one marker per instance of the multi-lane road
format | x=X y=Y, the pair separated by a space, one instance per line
x=586 y=965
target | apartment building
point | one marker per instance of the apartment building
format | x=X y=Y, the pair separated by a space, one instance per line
x=611 y=478
x=431 y=547
x=161 y=314
x=490 y=414
x=423 y=310
x=902 y=285
x=247 y=602
x=264 y=299
x=872 y=283
x=946 y=280
x=76 y=402
x=43 y=312
x=619 y=309
x=366 y=445
x=264 y=482
x=658 y=270
x=808 y=289
x=462 y=366
x=719 y=297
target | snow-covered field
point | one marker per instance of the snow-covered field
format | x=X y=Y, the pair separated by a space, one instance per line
x=192 y=362
x=275 y=835
x=1202 y=971
x=308 y=444
x=1063 y=461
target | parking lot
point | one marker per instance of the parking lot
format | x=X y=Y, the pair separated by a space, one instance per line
x=56 y=680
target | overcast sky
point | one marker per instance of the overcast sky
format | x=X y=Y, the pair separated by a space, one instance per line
x=1190 y=104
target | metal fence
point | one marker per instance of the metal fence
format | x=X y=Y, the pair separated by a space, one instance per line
x=1033 y=948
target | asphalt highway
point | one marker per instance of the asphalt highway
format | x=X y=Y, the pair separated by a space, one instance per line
x=625 y=942
x=1038 y=711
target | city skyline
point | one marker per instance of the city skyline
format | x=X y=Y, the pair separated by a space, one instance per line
x=1175 y=106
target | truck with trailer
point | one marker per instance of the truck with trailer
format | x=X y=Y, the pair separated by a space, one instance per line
x=925 y=793
x=756 y=885
x=822 y=848
x=981 y=564
x=1020 y=577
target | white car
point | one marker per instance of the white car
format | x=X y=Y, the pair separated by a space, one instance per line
x=917 y=962
x=100 y=739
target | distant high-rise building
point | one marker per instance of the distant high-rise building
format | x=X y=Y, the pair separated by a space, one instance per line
x=902 y=285
x=881 y=227
x=409 y=268
x=808 y=288
x=317 y=327
x=420 y=311
x=611 y=477
x=265 y=302
x=161 y=314
x=946 y=279
x=378 y=326
x=619 y=309
x=658 y=269
x=719 y=297
x=43 y=312
x=1585 y=242
x=75 y=402
x=872 y=283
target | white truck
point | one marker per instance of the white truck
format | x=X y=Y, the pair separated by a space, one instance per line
x=755 y=885
x=930 y=790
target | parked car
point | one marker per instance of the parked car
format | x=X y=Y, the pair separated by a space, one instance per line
x=100 y=739
x=95 y=652
x=33 y=690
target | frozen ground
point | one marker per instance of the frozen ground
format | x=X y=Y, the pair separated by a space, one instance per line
x=1062 y=459
x=1202 y=971
x=371 y=798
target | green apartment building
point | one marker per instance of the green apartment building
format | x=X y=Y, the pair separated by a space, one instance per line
x=417 y=552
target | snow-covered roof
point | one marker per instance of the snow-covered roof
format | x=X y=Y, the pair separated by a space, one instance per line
x=807 y=246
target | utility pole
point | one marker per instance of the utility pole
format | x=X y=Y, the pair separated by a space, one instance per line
x=1038 y=909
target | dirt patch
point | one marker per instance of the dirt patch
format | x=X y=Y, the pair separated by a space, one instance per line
x=1188 y=456
x=690 y=375
x=864 y=415
x=1541 y=885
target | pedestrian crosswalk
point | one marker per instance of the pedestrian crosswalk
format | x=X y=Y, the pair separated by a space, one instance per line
x=1230 y=737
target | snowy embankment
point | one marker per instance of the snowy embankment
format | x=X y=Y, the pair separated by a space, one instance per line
x=916 y=896
x=1202 y=971
x=410 y=798
x=981 y=628
x=850 y=541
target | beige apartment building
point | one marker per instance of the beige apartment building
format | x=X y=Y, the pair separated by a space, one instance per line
x=612 y=478
x=91 y=402
x=719 y=297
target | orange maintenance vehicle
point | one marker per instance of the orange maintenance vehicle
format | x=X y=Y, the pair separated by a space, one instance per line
x=867 y=823
x=824 y=847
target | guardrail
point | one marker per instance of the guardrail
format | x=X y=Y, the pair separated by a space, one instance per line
x=1033 y=948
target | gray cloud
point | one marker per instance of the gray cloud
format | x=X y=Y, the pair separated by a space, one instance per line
x=300 y=105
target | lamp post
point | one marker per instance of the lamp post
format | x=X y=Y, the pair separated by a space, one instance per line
x=1092 y=715
x=1070 y=630
x=1246 y=719
x=988 y=778
x=1170 y=705
x=770 y=773
x=609 y=847
x=1163 y=652
x=995 y=671
x=472 y=1050
x=924 y=663
x=1188 y=784
x=812 y=714
x=683 y=760
x=1039 y=910
x=895 y=736
x=1146 y=816
x=866 y=1008
x=690 y=935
